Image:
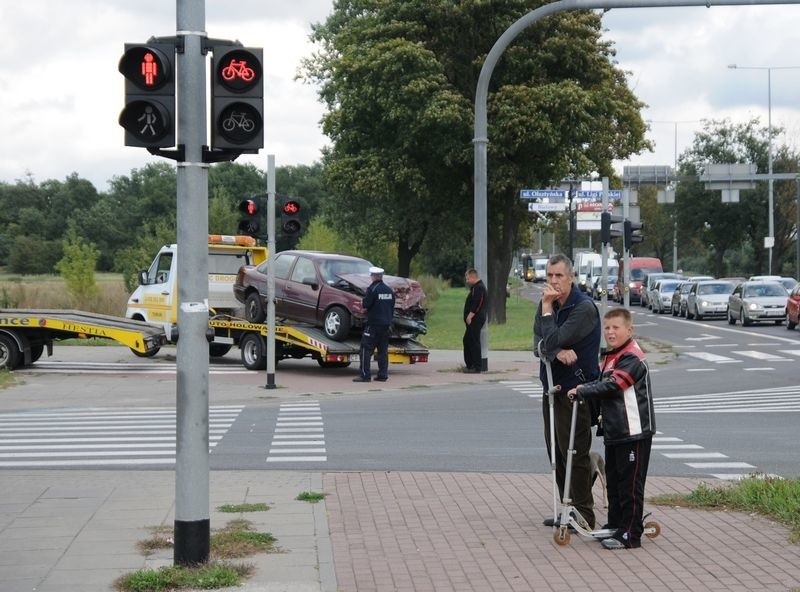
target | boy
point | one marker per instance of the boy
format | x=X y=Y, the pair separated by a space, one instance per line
x=628 y=423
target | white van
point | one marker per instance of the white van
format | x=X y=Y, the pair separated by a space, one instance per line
x=584 y=263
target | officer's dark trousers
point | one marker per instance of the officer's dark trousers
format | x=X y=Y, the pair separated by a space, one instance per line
x=375 y=336
x=472 y=344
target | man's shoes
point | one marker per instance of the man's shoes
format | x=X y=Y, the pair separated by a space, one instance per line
x=362 y=379
x=615 y=544
x=381 y=378
x=471 y=371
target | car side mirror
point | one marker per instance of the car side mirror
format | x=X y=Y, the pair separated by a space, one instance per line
x=311 y=281
x=143 y=277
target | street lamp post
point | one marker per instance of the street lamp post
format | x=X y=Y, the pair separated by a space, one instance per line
x=770 y=241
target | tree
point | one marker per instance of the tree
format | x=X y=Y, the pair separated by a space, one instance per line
x=77 y=268
x=398 y=80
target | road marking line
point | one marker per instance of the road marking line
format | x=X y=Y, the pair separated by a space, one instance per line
x=709 y=357
x=297 y=459
x=676 y=447
x=694 y=455
x=758 y=355
x=720 y=465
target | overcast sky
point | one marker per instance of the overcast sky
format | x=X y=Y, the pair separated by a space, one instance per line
x=61 y=93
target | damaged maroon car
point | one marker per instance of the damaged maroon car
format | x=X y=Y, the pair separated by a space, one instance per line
x=325 y=290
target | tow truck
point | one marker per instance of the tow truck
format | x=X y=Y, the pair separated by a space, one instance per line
x=26 y=333
x=300 y=341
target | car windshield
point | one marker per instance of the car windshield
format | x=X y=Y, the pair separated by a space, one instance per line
x=638 y=273
x=331 y=269
x=764 y=290
x=668 y=286
x=788 y=283
x=720 y=288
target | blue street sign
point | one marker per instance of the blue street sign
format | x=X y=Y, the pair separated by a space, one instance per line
x=551 y=194
x=598 y=194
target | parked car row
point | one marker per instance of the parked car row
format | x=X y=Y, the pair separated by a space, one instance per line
x=759 y=299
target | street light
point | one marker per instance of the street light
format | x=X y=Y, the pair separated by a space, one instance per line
x=770 y=242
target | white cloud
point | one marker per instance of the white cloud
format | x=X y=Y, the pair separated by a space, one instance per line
x=61 y=94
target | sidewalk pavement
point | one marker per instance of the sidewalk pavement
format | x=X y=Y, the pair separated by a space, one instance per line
x=76 y=531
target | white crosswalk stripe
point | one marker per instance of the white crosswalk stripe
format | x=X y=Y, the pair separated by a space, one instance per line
x=771 y=400
x=299 y=434
x=99 y=436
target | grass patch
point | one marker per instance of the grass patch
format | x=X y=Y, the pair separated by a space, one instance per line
x=238 y=539
x=311 y=497
x=238 y=508
x=772 y=497
x=160 y=538
x=446 y=326
x=205 y=577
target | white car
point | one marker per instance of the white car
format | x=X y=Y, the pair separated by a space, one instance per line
x=757 y=301
x=660 y=296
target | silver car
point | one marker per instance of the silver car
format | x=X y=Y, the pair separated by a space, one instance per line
x=679 y=296
x=757 y=301
x=708 y=298
x=661 y=295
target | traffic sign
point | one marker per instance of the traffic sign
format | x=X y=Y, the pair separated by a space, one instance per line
x=535 y=206
x=551 y=194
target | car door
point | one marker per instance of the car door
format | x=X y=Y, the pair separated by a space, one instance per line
x=301 y=292
x=283 y=267
x=735 y=302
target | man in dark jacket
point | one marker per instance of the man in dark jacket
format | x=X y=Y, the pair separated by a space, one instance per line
x=379 y=303
x=629 y=423
x=474 y=319
x=568 y=326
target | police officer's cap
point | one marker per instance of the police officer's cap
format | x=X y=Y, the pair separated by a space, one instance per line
x=376 y=270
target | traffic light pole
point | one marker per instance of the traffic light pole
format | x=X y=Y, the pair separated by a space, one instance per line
x=271 y=272
x=192 y=523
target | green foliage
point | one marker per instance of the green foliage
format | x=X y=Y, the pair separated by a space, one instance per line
x=311 y=497
x=237 y=508
x=131 y=260
x=31 y=255
x=774 y=497
x=77 y=268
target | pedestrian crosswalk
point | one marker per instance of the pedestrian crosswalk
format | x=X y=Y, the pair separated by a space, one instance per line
x=299 y=435
x=744 y=356
x=99 y=436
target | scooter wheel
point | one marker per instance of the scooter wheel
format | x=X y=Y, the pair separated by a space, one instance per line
x=561 y=536
x=656 y=529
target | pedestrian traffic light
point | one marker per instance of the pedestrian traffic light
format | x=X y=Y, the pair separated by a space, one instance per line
x=290 y=216
x=237 y=98
x=149 y=113
x=633 y=234
x=250 y=220
x=607 y=232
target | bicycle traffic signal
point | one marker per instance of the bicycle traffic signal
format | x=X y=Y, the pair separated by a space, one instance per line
x=237 y=98
x=607 y=231
x=633 y=233
x=250 y=220
x=290 y=216
x=149 y=113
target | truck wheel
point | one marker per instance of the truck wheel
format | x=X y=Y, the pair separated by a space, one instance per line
x=254 y=308
x=336 y=323
x=36 y=352
x=9 y=353
x=147 y=354
x=217 y=350
x=253 y=352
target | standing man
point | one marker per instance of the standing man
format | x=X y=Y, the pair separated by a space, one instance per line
x=379 y=303
x=568 y=325
x=474 y=319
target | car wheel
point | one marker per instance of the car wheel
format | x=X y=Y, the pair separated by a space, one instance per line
x=254 y=308
x=253 y=352
x=682 y=313
x=731 y=320
x=697 y=315
x=674 y=312
x=745 y=321
x=779 y=322
x=336 y=323
x=689 y=314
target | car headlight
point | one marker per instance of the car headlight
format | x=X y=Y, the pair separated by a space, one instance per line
x=632 y=285
x=753 y=306
x=704 y=303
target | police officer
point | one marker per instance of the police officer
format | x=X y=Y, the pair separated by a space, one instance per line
x=379 y=303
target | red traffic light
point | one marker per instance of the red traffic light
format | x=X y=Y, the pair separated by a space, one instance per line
x=249 y=207
x=291 y=207
x=239 y=70
x=146 y=67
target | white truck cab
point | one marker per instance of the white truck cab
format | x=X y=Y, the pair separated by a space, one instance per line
x=155 y=300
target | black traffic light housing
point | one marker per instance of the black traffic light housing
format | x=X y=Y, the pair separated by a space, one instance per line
x=149 y=113
x=607 y=232
x=290 y=215
x=633 y=233
x=237 y=98
x=250 y=217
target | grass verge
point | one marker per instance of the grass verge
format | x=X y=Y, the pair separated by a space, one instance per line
x=239 y=508
x=446 y=325
x=772 y=497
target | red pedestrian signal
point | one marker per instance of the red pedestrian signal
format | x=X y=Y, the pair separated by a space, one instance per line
x=250 y=221
x=237 y=99
x=149 y=113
